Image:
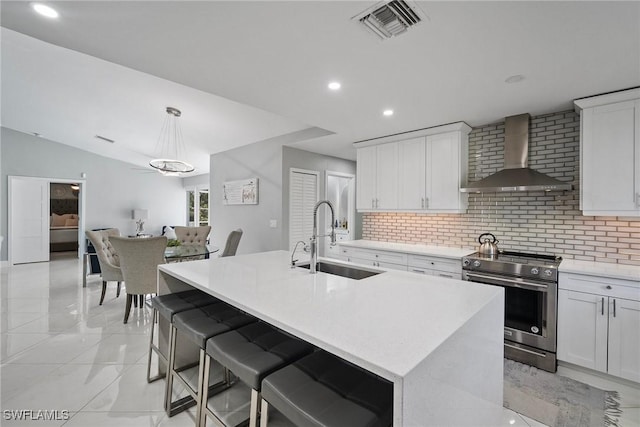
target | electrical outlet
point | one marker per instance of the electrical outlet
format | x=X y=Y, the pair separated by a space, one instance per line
x=273 y=223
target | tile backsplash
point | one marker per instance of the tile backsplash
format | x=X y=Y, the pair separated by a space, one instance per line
x=531 y=221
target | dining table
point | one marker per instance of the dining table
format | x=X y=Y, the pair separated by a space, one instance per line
x=171 y=254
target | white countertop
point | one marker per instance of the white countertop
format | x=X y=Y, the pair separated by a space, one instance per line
x=387 y=323
x=438 y=251
x=616 y=271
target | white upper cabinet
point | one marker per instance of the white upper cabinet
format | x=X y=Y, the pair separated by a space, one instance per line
x=421 y=174
x=377 y=177
x=366 y=178
x=446 y=172
x=610 y=154
x=412 y=174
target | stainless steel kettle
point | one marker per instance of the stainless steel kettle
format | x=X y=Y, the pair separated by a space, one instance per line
x=488 y=246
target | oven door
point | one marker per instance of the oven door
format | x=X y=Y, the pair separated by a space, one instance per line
x=530 y=309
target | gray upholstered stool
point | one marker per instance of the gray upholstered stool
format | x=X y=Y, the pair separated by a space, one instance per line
x=166 y=306
x=198 y=324
x=323 y=390
x=251 y=353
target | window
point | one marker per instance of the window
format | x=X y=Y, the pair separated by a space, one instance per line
x=198 y=207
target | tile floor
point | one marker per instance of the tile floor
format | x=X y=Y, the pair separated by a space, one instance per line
x=60 y=350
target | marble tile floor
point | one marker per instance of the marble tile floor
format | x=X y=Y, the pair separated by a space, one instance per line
x=60 y=350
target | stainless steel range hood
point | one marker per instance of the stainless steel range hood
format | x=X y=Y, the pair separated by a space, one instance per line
x=516 y=176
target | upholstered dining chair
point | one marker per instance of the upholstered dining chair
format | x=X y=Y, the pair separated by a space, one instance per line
x=139 y=260
x=193 y=236
x=107 y=258
x=233 y=240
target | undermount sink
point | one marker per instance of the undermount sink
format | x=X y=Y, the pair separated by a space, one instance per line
x=342 y=270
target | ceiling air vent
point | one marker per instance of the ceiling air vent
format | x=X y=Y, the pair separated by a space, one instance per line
x=390 y=18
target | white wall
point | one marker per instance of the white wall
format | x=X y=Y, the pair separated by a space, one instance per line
x=114 y=188
x=262 y=160
x=295 y=158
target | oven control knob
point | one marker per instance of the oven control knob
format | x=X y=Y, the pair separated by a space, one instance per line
x=534 y=270
x=548 y=272
x=466 y=263
x=476 y=263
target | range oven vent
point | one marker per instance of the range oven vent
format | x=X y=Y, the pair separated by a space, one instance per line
x=390 y=18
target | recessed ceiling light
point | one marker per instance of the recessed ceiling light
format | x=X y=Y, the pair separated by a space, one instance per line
x=514 y=79
x=45 y=10
x=334 y=85
x=388 y=113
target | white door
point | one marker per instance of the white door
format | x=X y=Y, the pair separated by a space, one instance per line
x=28 y=220
x=582 y=329
x=624 y=338
x=411 y=191
x=303 y=195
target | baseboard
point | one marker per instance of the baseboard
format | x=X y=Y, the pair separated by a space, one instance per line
x=598 y=374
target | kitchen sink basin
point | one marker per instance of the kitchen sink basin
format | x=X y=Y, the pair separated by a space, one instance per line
x=342 y=270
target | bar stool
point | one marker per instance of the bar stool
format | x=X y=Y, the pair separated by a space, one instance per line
x=166 y=306
x=322 y=390
x=251 y=353
x=199 y=324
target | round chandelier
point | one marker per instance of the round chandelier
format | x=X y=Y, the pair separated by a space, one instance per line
x=171 y=147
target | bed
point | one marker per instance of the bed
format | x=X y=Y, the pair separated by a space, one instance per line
x=63 y=232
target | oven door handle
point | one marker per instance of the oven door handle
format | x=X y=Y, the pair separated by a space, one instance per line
x=518 y=283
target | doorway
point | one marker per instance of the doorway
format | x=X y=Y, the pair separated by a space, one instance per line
x=31 y=232
x=63 y=219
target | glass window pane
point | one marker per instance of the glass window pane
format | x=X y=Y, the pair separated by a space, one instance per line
x=203 y=215
x=191 y=206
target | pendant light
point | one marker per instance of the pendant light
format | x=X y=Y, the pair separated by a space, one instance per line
x=171 y=147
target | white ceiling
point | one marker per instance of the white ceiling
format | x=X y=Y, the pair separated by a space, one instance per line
x=244 y=72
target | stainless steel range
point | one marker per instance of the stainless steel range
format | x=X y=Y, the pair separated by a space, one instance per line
x=531 y=291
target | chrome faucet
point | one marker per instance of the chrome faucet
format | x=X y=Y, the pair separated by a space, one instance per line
x=313 y=240
x=304 y=248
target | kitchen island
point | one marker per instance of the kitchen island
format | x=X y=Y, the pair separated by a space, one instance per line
x=438 y=340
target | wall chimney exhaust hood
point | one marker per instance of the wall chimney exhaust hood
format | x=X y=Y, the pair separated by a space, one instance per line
x=516 y=176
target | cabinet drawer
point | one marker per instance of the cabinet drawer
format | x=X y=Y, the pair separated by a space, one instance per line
x=434 y=263
x=374 y=255
x=616 y=288
x=449 y=274
x=374 y=263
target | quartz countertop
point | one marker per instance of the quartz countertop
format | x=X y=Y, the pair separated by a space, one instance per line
x=388 y=323
x=437 y=251
x=616 y=271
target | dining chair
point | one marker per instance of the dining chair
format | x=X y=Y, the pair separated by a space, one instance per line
x=107 y=258
x=139 y=260
x=193 y=236
x=233 y=240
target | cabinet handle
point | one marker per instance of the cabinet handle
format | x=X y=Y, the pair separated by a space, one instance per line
x=377 y=203
x=450 y=276
x=602 y=312
x=608 y=286
x=373 y=203
x=422 y=203
x=637 y=200
x=426 y=202
x=614 y=308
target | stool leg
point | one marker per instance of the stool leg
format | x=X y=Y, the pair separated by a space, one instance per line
x=153 y=324
x=201 y=384
x=204 y=397
x=264 y=413
x=253 y=414
x=170 y=367
x=118 y=291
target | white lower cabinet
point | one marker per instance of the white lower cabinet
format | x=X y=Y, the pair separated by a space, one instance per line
x=435 y=266
x=599 y=324
x=375 y=258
